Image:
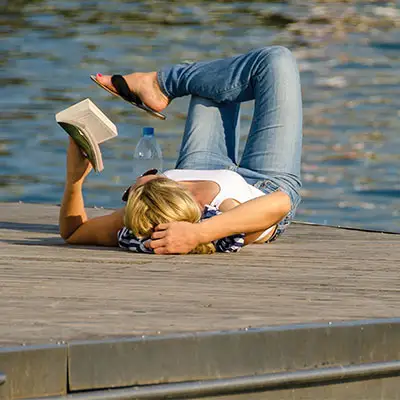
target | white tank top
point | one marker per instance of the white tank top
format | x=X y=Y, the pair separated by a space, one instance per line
x=231 y=184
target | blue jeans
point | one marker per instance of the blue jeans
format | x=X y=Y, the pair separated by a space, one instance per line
x=272 y=154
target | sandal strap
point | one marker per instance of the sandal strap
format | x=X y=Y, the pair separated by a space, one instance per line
x=123 y=90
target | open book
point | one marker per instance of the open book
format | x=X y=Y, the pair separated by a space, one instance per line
x=89 y=127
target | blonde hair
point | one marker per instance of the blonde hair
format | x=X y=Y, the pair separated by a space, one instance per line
x=159 y=201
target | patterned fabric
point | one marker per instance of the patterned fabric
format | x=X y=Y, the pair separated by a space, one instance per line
x=127 y=240
x=230 y=244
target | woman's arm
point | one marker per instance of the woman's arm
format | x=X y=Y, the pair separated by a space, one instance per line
x=253 y=216
x=75 y=227
x=251 y=237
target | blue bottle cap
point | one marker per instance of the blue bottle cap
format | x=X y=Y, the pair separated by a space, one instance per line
x=148 y=131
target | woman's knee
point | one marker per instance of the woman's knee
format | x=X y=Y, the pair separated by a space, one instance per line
x=277 y=57
x=276 y=52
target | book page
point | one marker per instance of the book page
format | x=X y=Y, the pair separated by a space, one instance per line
x=98 y=130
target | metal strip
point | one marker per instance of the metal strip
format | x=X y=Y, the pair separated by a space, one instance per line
x=243 y=384
x=2 y=378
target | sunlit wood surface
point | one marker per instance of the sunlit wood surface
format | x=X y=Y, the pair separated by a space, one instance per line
x=52 y=292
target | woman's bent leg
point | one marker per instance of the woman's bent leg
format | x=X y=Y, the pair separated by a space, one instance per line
x=270 y=77
x=211 y=137
x=274 y=144
x=272 y=155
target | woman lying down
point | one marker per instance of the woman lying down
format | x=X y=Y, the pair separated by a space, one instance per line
x=212 y=201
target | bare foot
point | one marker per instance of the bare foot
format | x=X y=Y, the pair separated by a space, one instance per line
x=143 y=84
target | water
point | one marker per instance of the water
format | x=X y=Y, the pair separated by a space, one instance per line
x=348 y=54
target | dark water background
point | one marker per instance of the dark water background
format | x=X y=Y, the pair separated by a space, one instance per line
x=348 y=53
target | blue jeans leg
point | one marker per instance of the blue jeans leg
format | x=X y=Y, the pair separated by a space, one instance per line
x=274 y=144
x=211 y=137
x=225 y=80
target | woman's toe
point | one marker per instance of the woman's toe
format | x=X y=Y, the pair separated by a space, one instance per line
x=105 y=80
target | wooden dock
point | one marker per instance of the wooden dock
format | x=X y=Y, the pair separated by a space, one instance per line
x=53 y=292
x=87 y=323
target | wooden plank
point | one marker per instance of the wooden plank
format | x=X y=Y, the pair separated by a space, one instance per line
x=51 y=292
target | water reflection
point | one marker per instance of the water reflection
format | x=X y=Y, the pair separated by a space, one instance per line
x=348 y=57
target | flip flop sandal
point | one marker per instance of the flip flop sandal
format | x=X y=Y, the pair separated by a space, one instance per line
x=123 y=92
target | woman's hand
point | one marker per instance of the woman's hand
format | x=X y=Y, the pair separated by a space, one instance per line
x=175 y=238
x=78 y=167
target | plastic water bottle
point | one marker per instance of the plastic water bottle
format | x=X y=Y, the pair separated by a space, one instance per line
x=147 y=153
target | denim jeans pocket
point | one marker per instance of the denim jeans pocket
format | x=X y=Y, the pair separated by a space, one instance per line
x=269 y=187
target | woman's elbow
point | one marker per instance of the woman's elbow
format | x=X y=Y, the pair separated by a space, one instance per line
x=66 y=238
x=69 y=240
x=64 y=234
